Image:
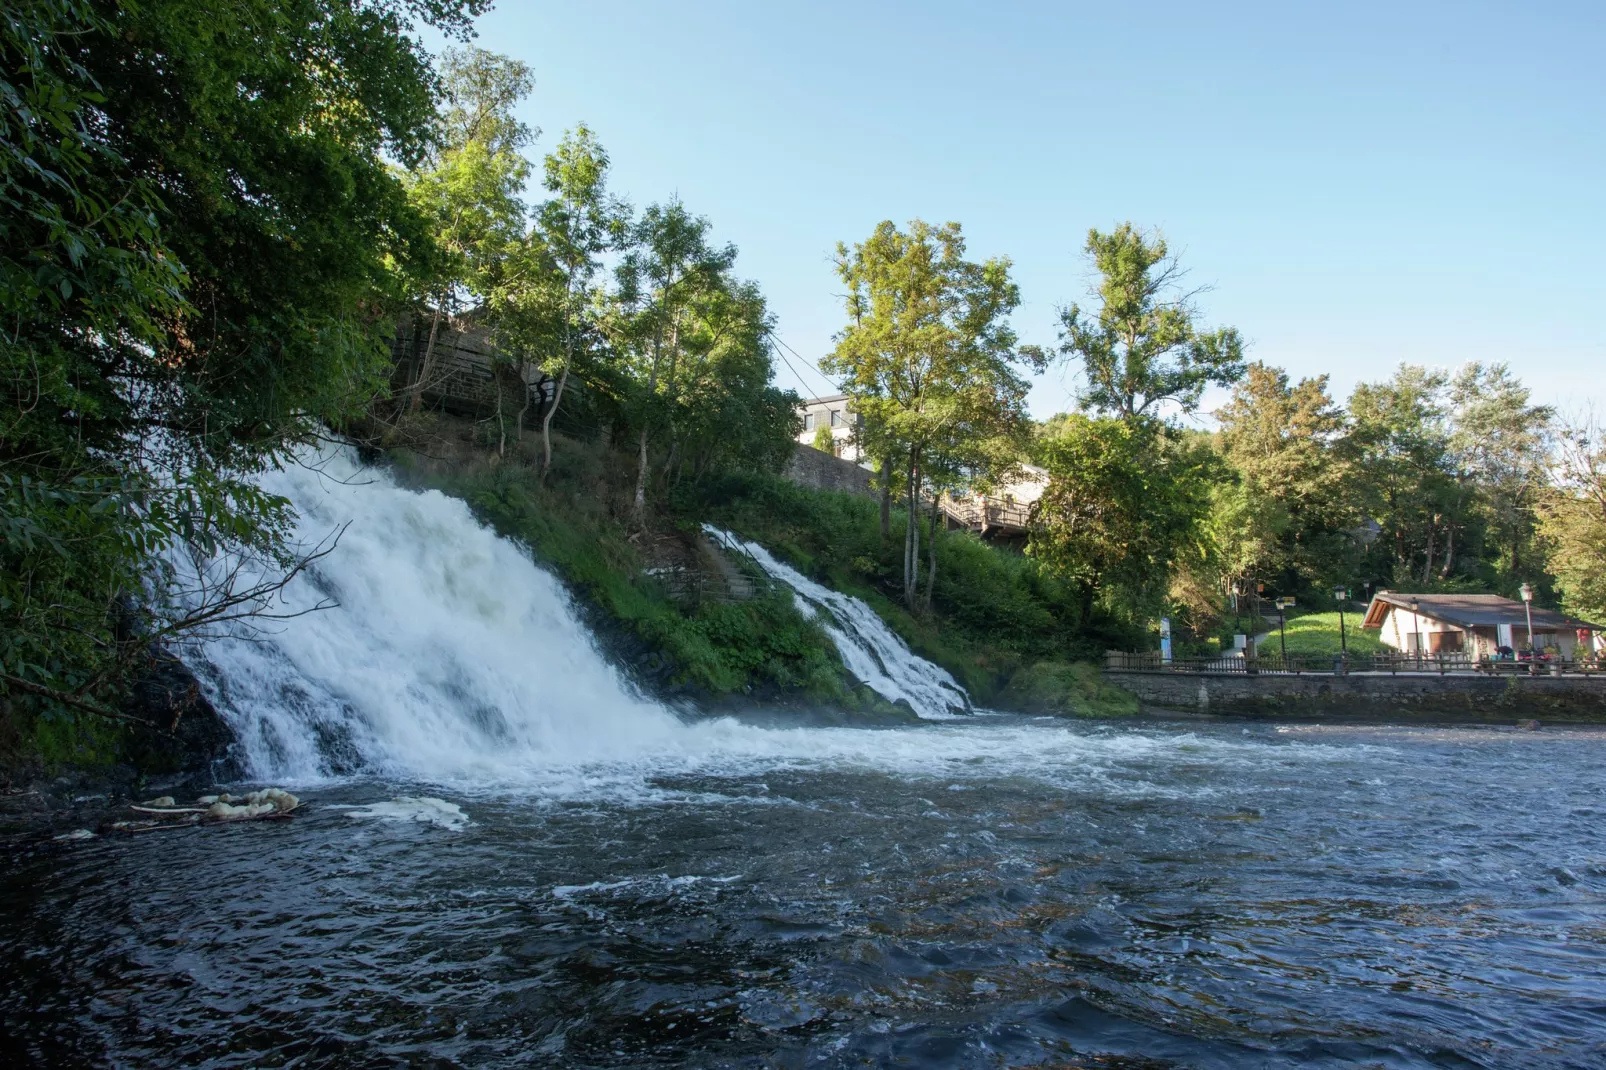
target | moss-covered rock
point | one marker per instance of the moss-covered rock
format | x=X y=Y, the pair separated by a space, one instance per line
x=1066 y=689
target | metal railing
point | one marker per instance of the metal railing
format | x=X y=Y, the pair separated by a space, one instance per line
x=1443 y=664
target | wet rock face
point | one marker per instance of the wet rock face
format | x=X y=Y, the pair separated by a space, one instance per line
x=186 y=733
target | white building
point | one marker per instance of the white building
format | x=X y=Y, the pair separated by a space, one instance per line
x=833 y=413
x=1477 y=625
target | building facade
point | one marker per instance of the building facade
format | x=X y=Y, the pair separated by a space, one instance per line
x=835 y=414
x=1477 y=625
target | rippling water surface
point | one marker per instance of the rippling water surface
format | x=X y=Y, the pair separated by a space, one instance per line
x=993 y=892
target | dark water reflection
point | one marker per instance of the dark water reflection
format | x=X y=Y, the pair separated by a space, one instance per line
x=1216 y=898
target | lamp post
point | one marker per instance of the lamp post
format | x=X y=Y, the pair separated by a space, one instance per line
x=1416 y=629
x=1341 y=594
x=1527 y=593
x=1282 y=636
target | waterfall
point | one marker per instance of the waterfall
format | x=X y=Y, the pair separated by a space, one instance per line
x=450 y=655
x=873 y=652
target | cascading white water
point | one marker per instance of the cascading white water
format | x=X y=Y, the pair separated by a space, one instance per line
x=449 y=655
x=873 y=652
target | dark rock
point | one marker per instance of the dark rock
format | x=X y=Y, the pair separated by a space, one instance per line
x=182 y=731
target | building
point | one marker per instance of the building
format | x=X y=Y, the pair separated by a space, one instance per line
x=1477 y=625
x=831 y=412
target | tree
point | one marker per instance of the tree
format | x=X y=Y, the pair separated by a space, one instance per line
x=197 y=256
x=1284 y=441
x=576 y=225
x=1500 y=446
x=823 y=439
x=928 y=358
x=1400 y=437
x=1141 y=349
x=1126 y=501
x=669 y=263
x=1572 y=518
x=470 y=189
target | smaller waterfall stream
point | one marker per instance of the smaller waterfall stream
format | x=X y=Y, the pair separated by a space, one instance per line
x=872 y=651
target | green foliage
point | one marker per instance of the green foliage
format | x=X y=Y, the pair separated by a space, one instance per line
x=1291 y=509
x=993 y=612
x=719 y=649
x=1572 y=520
x=1125 y=508
x=199 y=234
x=932 y=365
x=823 y=440
x=1073 y=689
x=1141 y=349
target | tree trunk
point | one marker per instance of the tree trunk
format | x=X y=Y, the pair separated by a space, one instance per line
x=1427 y=567
x=911 y=539
x=428 y=366
x=640 y=506
x=1449 y=553
x=931 y=550
x=518 y=421
x=546 y=423
x=886 y=498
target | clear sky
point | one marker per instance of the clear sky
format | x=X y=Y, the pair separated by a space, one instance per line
x=1359 y=183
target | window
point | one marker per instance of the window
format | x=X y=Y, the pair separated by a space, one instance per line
x=836 y=417
x=808 y=421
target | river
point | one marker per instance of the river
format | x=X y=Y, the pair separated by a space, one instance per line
x=508 y=857
x=988 y=893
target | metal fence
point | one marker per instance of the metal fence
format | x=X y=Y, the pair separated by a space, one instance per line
x=1340 y=665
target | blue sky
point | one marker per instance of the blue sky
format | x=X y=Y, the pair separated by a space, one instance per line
x=1360 y=183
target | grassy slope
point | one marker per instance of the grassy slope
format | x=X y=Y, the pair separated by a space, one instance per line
x=1315 y=634
x=763 y=647
x=997 y=624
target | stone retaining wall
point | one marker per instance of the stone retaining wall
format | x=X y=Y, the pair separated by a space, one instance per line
x=1373 y=696
x=815 y=468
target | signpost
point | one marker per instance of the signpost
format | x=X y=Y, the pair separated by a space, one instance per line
x=1165 y=640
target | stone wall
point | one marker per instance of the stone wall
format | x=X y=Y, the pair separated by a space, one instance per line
x=810 y=467
x=1374 y=696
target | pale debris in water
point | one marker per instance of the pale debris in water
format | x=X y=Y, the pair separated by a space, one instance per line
x=77 y=834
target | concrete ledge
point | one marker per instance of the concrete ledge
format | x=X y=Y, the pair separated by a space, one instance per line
x=1373 y=696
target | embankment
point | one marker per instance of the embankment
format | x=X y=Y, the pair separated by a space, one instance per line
x=1373 y=696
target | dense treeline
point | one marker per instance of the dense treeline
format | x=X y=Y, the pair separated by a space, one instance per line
x=214 y=216
x=1427 y=481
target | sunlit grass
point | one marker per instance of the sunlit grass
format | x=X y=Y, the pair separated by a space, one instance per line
x=1317 y=633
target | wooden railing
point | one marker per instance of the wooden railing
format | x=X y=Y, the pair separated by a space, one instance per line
x=1336 y=664
x=987 y=514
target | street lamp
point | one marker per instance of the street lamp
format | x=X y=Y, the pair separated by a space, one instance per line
x=1416 y=629
x=1340 y=595
x=1527 y=593
x=1282 y=636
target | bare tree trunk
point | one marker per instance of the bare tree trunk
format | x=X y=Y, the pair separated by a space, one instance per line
x=429 y=363
x=641 y=477
x=911 y=539
x=886 y=497
x=518 y=425
x=501 y=424
x=931 y=550
x=546 y=423
x=1427 y=567
x=1449 y=552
